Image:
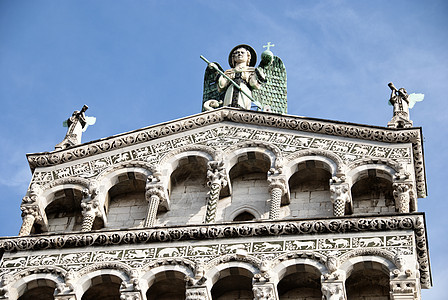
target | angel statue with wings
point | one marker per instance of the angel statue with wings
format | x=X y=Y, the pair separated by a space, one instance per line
x=244 y=85
x=76 y=124
x=402 y=102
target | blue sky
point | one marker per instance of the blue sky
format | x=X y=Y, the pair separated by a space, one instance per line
x=136 y=63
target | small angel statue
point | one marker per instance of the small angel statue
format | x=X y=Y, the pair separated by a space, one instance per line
x=244 y=85
x=402 y=102
x=76 y=124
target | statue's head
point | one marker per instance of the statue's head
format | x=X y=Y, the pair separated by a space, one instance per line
x=243 y=53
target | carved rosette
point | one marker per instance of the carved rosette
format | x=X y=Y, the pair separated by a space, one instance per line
x=30 y=214
x=264 y=292
x=216 y=180
x=155 y=194
x=403 y=193
x=339 y=195
x=90 y=210
x=277 y=188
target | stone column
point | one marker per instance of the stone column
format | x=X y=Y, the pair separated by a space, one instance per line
x=405 y=284
x=333 y=283
x=277 y=188
x=90 y=210
x=155 y=194
x=403 y=192
x=30 y=214
x=339 y=195
x=333 y=290
x=264 y=291
x=216 y=180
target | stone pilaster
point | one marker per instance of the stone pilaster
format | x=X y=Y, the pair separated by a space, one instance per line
x=264 y=291
x=339 y=195
x=403 y=194
x=216 y=180
x=155 y=194
x=277 y=188
x=30 y=214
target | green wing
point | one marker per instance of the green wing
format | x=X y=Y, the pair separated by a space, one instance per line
x=211 y=85
x=273 y=91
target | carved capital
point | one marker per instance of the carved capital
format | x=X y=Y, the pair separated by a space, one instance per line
x=155 y=189
x=405 y=289
x=216 y=173
x=403 y=194
x=340 y=195
x=277 y=182
x=196 y=294
x=264 y=292
x=333 y=290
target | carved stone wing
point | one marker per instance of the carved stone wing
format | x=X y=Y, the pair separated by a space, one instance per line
x=211 y=86
x=273 y=91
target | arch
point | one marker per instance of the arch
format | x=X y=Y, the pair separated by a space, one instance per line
x=49 y=191
x=189 y=150
x=284 y=267
x=384 y=171
x=231 y=155
x=89 y=274
x=335 y=163
x=381 y=256
x=245 y=208
x=367 y=276
x=28 y=282
x=371 y=189
x=160 y=273
x=235 y=274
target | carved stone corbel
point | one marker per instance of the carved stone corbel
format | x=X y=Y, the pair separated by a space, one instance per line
x=277 y=188
x=403 y=195
x=264 y=291
x=155 y=194
x=216 y=180
x=340 y=195
x=333 y=291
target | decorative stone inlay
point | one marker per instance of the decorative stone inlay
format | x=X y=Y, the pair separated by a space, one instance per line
x=296 y=236
x=227 y=136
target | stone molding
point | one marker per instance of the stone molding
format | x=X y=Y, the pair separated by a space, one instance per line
x=332 y=128
x=413 y=222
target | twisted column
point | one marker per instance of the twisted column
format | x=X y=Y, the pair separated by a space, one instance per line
x=339 y=195
x=90 y=210
x=155 y=194
x=30 y=213
x=402 y=194
x=216 y=180
x=277 y=188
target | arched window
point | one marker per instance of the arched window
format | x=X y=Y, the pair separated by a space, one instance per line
x=104 y=287
x=310 y=190
x=233 y=283
x=368 y=280
x=300 y=282
x=64 y=213
x=244 y=216
x=169 y=285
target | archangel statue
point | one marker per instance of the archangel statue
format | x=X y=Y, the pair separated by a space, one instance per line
x=76 y=124
x=402 y=102
x=244 y=85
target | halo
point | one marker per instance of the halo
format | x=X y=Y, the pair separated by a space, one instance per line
x=253 y=54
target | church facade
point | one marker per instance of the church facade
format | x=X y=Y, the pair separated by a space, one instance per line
x=226 y=204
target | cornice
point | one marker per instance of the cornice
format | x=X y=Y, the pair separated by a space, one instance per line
x=414 y=222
